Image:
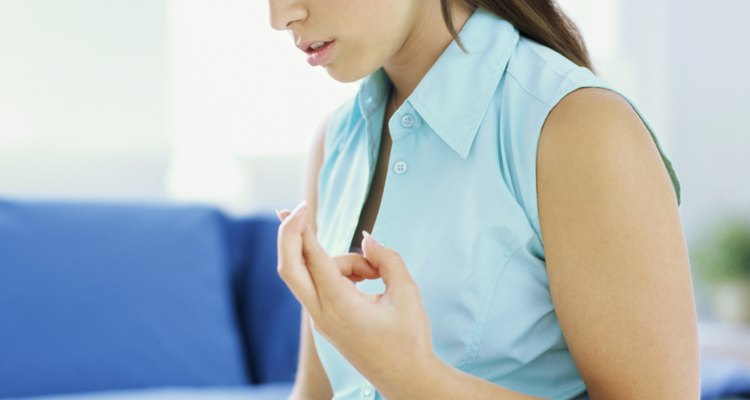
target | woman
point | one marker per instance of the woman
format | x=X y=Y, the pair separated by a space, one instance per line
x=529 y=242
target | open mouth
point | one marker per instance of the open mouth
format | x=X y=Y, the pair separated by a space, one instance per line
x=318 y=53
x=317 y=47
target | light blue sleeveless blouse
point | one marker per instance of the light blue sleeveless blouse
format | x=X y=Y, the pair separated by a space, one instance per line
x=460 y=205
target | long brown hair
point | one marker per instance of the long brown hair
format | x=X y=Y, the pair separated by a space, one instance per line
x=539 y=20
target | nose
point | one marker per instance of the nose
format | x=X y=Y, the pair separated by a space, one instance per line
x=284 y=12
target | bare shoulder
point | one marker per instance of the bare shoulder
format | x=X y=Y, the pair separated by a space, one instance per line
x=596 y=134
x=597 y=115
x=616 y=258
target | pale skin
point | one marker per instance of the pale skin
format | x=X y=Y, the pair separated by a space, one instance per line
x=615 y=252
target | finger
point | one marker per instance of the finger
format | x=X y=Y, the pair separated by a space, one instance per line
x=282 y=214
x=291 y=264
x=355 y=264
x=372 y=297
x=389 y=263
x=323 y=269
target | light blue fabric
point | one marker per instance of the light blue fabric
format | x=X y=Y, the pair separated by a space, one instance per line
x=463 y=214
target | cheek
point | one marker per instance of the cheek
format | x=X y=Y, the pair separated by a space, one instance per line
x=374 y=36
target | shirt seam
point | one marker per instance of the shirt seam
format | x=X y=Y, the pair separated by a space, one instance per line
x=473 y=349
x=527 y=91
x=552 y=67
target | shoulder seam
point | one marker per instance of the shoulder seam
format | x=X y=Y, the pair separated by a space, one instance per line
x=527 y=91
x=533 y=48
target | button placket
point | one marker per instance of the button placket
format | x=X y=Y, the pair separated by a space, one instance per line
x=409 y=121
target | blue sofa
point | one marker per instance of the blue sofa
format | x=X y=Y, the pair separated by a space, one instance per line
x=142 y=301
x=145 y=301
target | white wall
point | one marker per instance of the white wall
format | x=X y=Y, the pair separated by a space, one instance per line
x=243 y=105
x=709 y=57
x=82 y=98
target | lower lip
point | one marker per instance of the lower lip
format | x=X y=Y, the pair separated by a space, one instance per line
x=321 y=55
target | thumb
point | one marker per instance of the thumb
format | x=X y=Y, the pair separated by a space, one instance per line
x=390 y=264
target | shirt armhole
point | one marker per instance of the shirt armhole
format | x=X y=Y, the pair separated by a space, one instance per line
x=603 y=85
x=598 y=83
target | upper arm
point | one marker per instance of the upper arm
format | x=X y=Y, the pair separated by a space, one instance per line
x=616 y=257
x=311 y=381
x=312 y=169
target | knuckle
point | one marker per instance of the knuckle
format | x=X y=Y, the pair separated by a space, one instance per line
x=395 y=257
x=339 y=263
x=282 y=271
x=285 y=225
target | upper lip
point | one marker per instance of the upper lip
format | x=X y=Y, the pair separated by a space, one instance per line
x=305 y=46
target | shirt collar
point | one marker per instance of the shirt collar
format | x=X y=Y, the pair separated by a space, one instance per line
x=454 y=94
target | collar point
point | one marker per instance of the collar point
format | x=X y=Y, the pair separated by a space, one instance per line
x=464 y=154
x=464 y=148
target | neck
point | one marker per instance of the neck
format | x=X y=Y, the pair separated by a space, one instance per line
x=422 y=48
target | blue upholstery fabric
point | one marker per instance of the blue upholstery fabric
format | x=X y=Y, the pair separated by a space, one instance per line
x=98 y=296
x=276 y=391
x=269 y=312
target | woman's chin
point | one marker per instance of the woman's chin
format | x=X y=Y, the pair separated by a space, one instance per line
x=343 y=75
x=340 y=76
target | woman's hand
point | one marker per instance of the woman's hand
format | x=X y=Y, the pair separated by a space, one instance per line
x=386 y=336
x=352 y=265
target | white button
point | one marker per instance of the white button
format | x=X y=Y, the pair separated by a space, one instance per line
x=399 y=167
x=367 y=391
x=407 y=121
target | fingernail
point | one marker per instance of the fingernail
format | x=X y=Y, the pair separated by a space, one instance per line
x=278 y=213
x=369 y=238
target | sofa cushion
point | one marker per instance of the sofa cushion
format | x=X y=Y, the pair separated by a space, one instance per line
x=270 y=314
x=97 y=296
x=276 y=391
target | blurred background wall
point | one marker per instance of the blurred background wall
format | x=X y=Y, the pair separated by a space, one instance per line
x=196 y=100
x=82 y=98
